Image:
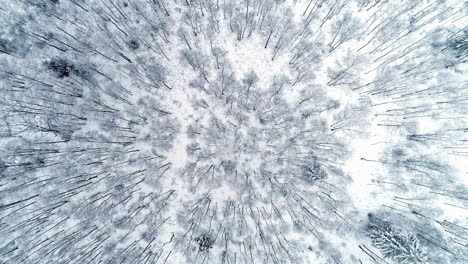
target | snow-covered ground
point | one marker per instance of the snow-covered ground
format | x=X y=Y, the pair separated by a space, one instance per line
x=247 y=131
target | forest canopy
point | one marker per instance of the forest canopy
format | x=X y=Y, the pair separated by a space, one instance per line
x=233 y=131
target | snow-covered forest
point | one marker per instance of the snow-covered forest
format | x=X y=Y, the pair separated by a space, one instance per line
x=233 y=131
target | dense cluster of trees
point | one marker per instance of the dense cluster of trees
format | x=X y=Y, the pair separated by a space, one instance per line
x=129 y=134
x=278 y=160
